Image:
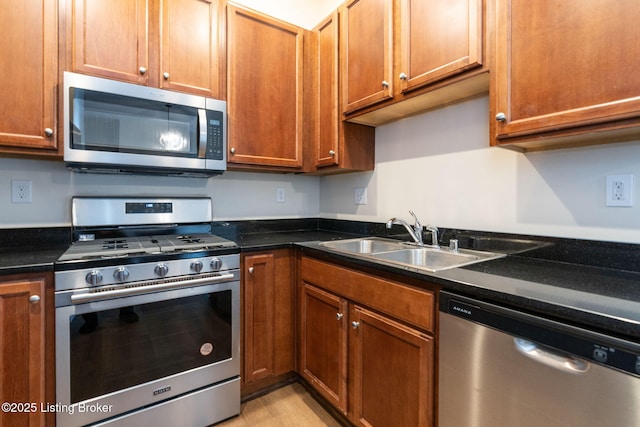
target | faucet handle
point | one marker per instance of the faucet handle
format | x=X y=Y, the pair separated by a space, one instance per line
x=417 y=225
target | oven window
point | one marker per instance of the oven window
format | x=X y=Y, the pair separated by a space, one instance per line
x=115 y=349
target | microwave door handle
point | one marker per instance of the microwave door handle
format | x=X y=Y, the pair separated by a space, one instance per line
x=202 y=133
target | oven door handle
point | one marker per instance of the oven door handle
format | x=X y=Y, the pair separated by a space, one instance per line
x=144 y=289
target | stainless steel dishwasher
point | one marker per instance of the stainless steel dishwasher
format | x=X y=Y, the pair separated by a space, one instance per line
x=500 y=367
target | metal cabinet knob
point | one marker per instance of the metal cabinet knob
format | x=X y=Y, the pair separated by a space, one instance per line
x=501 y=117
x=48 y=131
x=385 y=84
x=142 y=70
x=332 y=153
x=355 y=325
x=403 y=76
x=34 y=299
x=165 y=75
x=233 y=150
x=339 y=316
x=251 y=270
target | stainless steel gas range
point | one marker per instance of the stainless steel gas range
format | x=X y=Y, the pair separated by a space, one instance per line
x=147 y=315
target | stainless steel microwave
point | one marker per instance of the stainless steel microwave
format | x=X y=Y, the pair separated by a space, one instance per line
x=111 y=126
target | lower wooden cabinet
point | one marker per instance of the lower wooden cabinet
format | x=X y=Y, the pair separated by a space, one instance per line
x=357 y=350
x=392 y=370
x=268 y=316
x=26 y=362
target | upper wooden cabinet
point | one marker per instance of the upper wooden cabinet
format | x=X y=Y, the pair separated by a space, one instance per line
x=264 y=91
x=366 y=43
x=438 y=39
x=565 y=73
x=336 y=145
x=29 y=66
x=172 y=44
x=403 y=57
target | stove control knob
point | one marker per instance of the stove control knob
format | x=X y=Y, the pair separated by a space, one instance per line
x=216 y=264
x=196 y=266
x=161 y=270
x=94 y=277
x=121 y=274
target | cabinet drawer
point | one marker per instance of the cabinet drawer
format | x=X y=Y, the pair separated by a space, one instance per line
x=414 y=306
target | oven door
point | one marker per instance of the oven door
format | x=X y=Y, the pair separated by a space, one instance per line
x=121 y=354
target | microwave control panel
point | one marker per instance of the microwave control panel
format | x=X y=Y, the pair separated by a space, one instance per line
x=215 y=132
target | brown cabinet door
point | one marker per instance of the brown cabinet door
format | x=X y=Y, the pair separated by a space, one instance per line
x=111 y=38
x=29 y=65
x=327 y=114
x=323 y=344
x=189 y=60
x=366 y=46
x=438 y=38
x=259 y=313
x=392 y=368
x=268 y=307
x=564 y=64
x=264 y=78
x=22 y=352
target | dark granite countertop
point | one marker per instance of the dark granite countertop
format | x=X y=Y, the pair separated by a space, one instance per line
x=32 y=250
x=589 y=284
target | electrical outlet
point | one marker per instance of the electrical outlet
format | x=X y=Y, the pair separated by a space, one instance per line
x=280 y=195
x=20 y=191
x=360 y=196
x=619 y=190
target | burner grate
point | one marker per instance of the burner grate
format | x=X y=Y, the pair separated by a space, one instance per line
x=115 y=244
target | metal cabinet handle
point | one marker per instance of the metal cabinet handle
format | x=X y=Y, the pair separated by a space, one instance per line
x=339 y=316
x=385 y=84
x=355 y=325
x=402 y=76
x=142 y=70
x=233 y=150
x=165 y=75
x=48 y=131
x=251 y=270
x=501 y=117
x=34 y=299
x=332 y=153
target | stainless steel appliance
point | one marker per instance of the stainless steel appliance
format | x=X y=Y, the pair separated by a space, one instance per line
x=111 y=126
x=500 y=367
x=147 y=315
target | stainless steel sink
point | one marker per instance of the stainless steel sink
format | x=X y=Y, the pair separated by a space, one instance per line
x=393 y=252
x=435 y=259
x=368 y=245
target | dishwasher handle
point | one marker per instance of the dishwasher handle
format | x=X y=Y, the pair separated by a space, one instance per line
x=549 y=357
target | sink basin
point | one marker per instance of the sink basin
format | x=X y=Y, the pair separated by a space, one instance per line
x=431 y=259
x=364 y=246
x=403 y=254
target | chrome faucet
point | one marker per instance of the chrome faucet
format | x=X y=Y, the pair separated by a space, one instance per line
x=434 y=236
x=415 y=231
